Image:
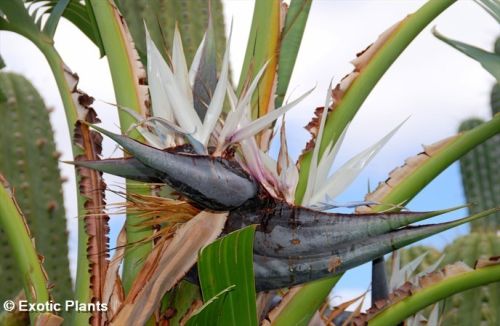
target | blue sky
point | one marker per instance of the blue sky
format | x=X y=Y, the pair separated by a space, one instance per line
x=431 y=83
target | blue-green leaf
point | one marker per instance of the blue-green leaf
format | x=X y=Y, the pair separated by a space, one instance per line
x=489 y=61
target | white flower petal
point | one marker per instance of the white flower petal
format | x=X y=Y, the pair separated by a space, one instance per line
x=160 y=103
x=182 y=109
x=196 y=61
x=313 y=167
x=215 y=107
x=346 y=174
x=256 y=126
x=326 y=162
x=180 y=67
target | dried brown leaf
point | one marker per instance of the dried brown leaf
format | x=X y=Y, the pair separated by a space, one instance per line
x=113 y=293
x=356 y=313
x=168 y=266
x=276 y=311
x=341 y=308
x=195 y=306
x=485 y=262
x=264 y=300
x=91 y=186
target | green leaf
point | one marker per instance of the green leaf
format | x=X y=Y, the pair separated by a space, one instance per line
x=291 y=36
x=19 y=239
x=19 y=20
x=306 y=302
x=262 y=46
x=2 y=63
x=227 y=262
x=211 y=312
x=492 y=7
x=97 y=39
x=55 y=15
x=489 y=61
x=180 y=299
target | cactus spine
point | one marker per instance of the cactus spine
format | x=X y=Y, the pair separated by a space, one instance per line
x=162 y=15
x=29 y=160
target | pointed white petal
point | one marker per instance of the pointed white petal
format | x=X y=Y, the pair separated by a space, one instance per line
x=346 y=174
x=166 y=126
x=183 y=110
x=151 y=138
x=196 y=61
x=234 y=116
x=249 y=92
x=179 y=66
x=269 y=162
x=430 y=268
x=311 y=180
x=327 y=160
x=402 y=275
x=215 y=107
x=434 y=316
x=160 y=103
x=256 y=126
x=288 y=172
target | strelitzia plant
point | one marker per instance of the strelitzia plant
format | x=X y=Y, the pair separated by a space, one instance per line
x=225 y=183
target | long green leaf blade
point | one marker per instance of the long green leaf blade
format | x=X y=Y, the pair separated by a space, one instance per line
x=291 y=36
x=226 y=262
x=55 y=15
x=262 y=46
x=492 y=7
x=211 y=312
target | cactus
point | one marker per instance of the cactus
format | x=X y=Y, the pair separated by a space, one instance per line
x=29 y=160
x=478 y=306
x=481 y=178
x=162 y=15
x=480 y=169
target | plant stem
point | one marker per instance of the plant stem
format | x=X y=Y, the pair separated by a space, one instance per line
x=398 y=312
x=82 y=282
x=29 y=265
x=122 y=64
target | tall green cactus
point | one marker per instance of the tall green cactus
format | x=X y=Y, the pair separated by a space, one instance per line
x=478 y=306
x=480 y=171
x=162 y=15
x=480 y=168
x=29 y=160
